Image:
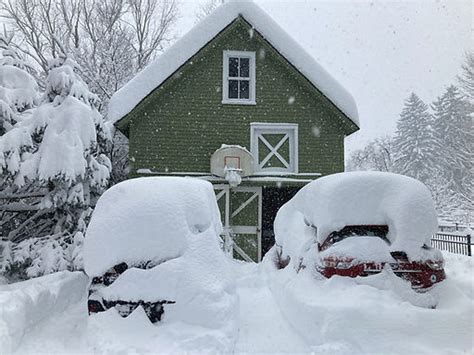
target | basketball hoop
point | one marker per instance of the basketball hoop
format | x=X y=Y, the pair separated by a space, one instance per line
x=232 y=162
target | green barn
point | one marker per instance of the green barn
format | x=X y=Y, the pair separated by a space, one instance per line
x=238 y=102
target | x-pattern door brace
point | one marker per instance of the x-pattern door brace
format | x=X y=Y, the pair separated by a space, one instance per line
x=245 y=204
x=274 y=151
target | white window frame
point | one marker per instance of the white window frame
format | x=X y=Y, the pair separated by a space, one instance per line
x=225 y=77
x=290 y=131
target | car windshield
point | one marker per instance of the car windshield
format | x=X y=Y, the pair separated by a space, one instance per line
x=379 y=231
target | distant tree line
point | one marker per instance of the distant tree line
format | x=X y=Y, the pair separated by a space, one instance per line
x=434 y=144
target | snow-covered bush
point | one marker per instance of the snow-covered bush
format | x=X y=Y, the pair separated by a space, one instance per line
x=173 y=224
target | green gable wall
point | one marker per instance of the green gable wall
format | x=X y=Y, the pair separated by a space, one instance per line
x=180 y=124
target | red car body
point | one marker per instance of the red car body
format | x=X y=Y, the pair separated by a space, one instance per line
x=421 y=274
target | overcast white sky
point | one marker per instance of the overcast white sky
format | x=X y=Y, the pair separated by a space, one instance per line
x=379 y=50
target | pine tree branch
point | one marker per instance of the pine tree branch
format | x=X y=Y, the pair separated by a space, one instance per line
x=13 y=196
x=19 y=207
x=14 y=233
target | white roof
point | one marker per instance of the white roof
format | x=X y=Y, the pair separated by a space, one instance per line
x=126 y=98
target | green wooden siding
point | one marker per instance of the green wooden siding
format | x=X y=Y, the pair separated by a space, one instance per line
x=180 y=124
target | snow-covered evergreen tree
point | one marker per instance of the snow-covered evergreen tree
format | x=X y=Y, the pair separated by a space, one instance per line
x=466 y=79
x=415 y=142
x=72 y=139
x=454 y=128
x=18 y=89
x=55 y=166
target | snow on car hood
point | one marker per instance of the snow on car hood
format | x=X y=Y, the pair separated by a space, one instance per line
x=148 y=219
x=358 y=198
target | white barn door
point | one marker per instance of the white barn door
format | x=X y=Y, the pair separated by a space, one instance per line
x=241 y=214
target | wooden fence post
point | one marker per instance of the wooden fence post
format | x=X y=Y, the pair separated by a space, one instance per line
x=468 y=240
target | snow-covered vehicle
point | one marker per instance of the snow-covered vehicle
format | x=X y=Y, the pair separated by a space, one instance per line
x=357 y=224
x=154 y=243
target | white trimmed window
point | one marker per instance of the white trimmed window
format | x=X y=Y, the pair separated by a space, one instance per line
x=274 y=147
x=238 y=78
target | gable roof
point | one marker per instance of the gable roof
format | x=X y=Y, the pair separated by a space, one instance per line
x=153 y=75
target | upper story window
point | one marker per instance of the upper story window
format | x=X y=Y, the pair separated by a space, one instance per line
x=274 y=147
x=238 y=78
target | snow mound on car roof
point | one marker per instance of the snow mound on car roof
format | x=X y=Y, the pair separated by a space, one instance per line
x=358 y=198
x=148 y=219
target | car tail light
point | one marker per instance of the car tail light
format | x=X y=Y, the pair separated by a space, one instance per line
x=435 y=265
x=94 y=306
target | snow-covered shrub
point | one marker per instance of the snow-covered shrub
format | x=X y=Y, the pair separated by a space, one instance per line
x=174 y=225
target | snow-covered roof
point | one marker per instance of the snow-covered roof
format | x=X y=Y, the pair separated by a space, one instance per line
x=152 y=76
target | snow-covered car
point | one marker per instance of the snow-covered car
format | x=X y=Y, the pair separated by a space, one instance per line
x=154 y=243
x=357 y=224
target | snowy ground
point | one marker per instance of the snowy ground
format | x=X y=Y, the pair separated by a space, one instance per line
x=264 y=327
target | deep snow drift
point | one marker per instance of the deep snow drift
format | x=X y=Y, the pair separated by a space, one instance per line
x=377 y=314
x=174 y=223
x=25 y=305
x=280 y=312
x=358 y=198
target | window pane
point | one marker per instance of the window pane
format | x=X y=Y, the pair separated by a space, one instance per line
x=233 y=67
x=244 y=67
x=244 y=89
x=233 y=89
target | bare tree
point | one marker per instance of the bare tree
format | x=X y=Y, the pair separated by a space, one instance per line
x=152 y=20
x=110 y=39
x=377 y=155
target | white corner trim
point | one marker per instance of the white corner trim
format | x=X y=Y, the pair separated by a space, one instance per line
x=225 y=77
